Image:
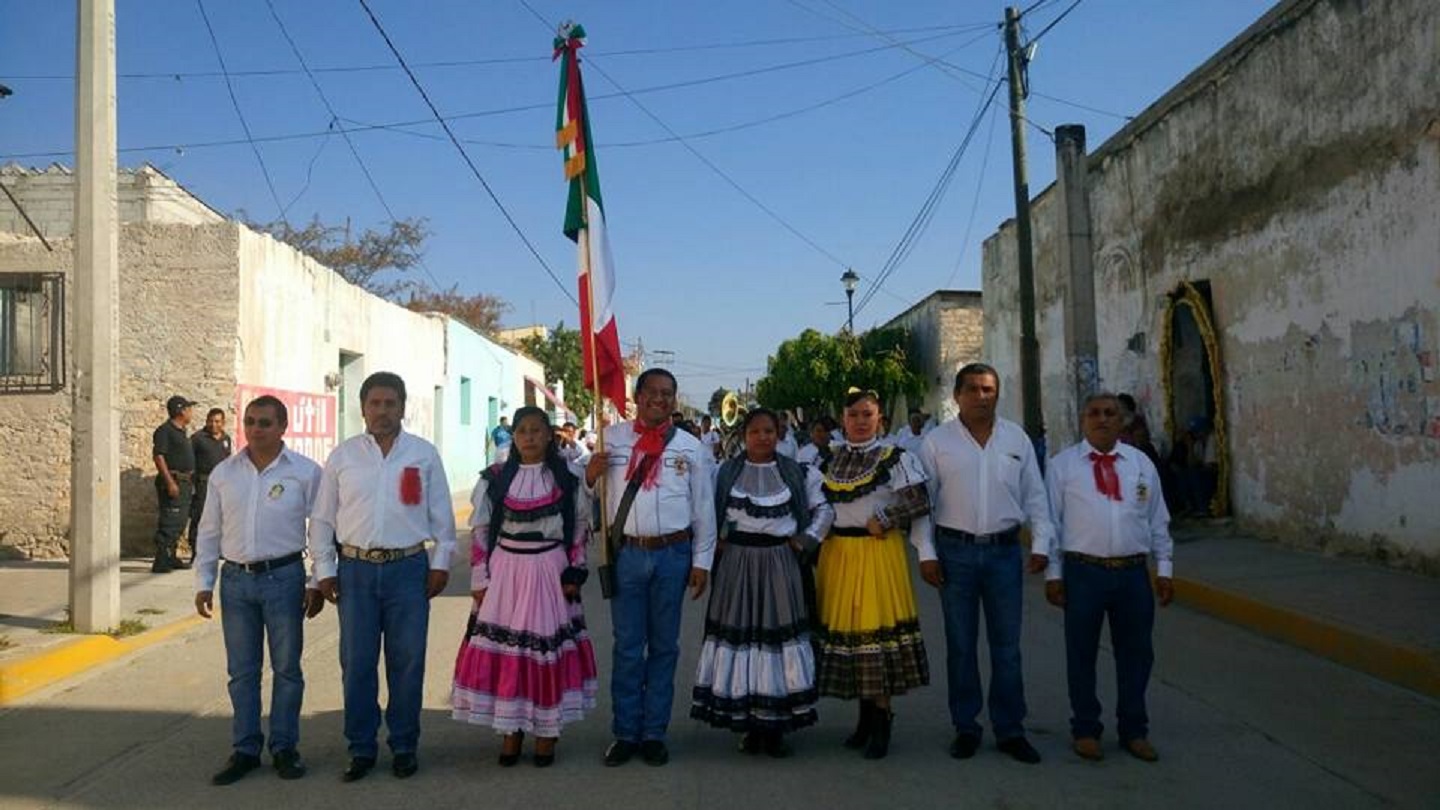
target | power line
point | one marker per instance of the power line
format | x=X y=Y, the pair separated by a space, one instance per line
x=975 y=202
x=1053 y=23
x=335 y=123
x=234 y=102
x=262 y=72
x=465 y=155
x=923 y=217
x=1036 y=6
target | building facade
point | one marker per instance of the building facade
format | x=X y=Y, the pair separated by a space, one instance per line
x=946 y=331
x=1266 y=256
x=216 y=312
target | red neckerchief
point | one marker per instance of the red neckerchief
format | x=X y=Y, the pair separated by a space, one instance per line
x=649 y=441
x=1107 y=481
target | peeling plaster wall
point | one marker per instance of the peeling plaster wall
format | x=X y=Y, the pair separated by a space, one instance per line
x=1298 y=172
x=946 y=332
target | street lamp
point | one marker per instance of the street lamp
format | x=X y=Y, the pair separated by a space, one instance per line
x=851 y=279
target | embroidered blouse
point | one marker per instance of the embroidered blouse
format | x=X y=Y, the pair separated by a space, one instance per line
x=531 y=520
x=877 y=480
x=759 y=503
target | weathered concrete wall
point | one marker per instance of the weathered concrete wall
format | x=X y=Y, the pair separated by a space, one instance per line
x=1298 y=172
x=145 y=195
x=296 y=316
x=946 y=332
x=177 y=305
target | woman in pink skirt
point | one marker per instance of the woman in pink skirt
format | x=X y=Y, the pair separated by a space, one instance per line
x=527 y=664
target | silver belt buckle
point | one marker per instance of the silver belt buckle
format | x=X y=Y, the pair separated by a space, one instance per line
x=376 y=555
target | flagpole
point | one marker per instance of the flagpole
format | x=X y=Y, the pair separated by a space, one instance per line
x=597 y=402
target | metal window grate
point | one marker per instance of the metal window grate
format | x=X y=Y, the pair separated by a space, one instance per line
x=32 y=333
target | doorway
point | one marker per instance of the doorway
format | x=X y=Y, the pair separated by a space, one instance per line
x=1192 y=376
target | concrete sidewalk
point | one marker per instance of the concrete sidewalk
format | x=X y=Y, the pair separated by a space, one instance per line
x=1362 y=615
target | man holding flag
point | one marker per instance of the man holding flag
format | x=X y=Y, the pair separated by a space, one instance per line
x=652 y=486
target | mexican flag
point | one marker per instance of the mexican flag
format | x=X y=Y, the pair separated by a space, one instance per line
x=585 y=224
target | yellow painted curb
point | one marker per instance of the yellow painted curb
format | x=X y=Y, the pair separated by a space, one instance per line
x=1409 y=667
x=22 y=677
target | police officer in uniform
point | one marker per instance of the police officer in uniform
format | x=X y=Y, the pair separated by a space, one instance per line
x=212 y=446
x=174 y=483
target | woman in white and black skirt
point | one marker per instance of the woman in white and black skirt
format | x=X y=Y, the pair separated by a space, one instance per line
x=757 y=666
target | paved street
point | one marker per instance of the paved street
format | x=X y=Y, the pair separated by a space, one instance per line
x=1239 y=721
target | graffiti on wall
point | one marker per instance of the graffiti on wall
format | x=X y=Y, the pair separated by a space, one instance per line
x=312 y=427
x=1393 y=362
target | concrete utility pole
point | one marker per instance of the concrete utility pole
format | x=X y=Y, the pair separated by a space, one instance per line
x=95 y=426
x=1071 y=182
x=1029 y=345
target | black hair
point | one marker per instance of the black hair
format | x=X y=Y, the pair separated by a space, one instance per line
x=828 y=422
x=649 y=372
x=975 y=370
x=860 y=396
x=212 y=412
x=501 y=479
x=383 y=379
x=269 y=401
x=754 y=413
x=1128 y=401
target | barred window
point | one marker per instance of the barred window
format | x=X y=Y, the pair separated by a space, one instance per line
x=32 y=333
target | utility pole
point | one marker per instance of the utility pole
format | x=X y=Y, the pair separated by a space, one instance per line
x=1029 y=344
x=1077 y=265
x=95 y=416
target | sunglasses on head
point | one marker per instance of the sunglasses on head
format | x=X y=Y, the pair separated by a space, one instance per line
x=251 y=421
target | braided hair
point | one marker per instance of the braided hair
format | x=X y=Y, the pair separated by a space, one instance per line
x=502 y=475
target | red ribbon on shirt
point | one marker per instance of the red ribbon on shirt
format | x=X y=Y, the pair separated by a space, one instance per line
x=1107 y=481
x=410 y=486
x=650 y=441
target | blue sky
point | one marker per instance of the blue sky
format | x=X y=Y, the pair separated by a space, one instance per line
x=861 y=133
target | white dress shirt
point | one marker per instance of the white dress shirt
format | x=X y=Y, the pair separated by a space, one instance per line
x=1093 y=524
x=908 y=440
x=359 y=502
x=681 y=498
x=254 y=515
x=990 y=489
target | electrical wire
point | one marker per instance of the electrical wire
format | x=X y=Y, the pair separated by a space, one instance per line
x=975 y=202
x=465 y=155
x=503 y=60
x=234 y=102
x=1053 y=23
x=335 y=123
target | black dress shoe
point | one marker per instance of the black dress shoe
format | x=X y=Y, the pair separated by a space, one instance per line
x=751 y=743
x=775 y=745
x=1019 y=750
x=358 y=769
x=964 y=746
x=654 y=752
x=238 y=765
x=619 y=753
x=161 y=566
x=405 y=765
x=288 y=764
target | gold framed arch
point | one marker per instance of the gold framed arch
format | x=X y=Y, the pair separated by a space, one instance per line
x=1186 y=295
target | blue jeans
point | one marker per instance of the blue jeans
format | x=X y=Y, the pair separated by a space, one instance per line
x=254 y=609
x=987 y=575
x=383 y=602
x=1092 y=594
x=645 y=613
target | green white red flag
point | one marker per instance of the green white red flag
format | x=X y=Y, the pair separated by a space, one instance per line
x=599 y=339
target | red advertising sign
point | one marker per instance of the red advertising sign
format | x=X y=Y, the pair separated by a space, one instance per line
x=312 y=429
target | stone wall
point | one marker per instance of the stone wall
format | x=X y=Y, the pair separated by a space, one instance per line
x=177 y=305
x=946 y=332
x=145 y=195
x=1297 y=173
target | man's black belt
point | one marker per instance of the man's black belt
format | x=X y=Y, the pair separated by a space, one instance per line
x=1009 y=537
x=755 y=539
x=267 y=565
x=1112 y=563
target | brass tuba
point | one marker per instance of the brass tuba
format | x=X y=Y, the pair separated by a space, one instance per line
x=732 y=413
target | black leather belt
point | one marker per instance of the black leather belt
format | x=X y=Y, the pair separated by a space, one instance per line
x=533 y=542
x=654 y=542
x=267 y=565
x=1113 y=563
x=1009 y=537
x=850 y=531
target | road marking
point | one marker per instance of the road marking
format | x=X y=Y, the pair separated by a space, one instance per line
x=20 y=678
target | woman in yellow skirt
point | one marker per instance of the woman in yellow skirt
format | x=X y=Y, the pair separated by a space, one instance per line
x=869 y=631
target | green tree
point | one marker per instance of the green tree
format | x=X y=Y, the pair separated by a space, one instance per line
x=559 y=353
x=814 y=370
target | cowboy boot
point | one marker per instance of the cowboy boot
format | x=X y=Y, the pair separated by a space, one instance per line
x=879 y=744
x=862 y=727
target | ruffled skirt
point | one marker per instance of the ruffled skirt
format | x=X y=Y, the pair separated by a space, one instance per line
x=526 y=663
